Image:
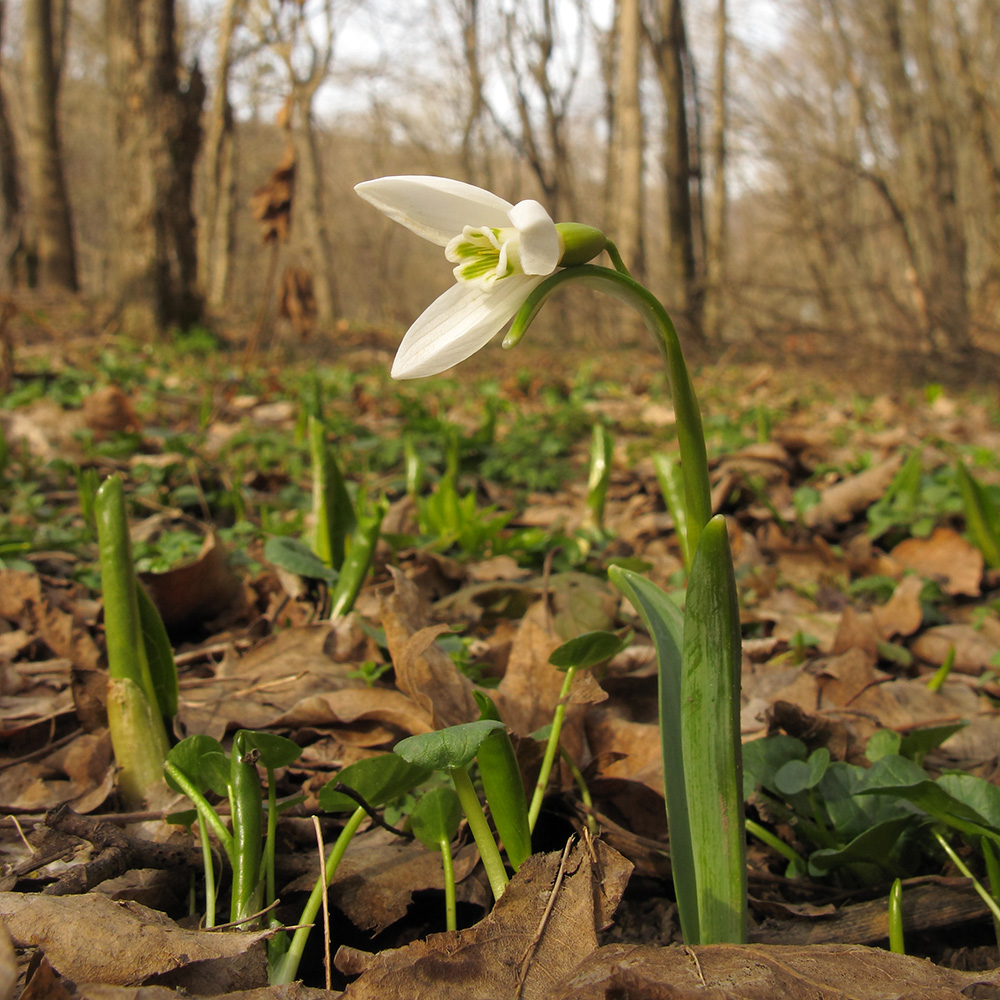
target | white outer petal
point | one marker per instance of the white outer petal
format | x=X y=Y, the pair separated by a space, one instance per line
x=539 y=251
x=436 y=208
x=458 y=323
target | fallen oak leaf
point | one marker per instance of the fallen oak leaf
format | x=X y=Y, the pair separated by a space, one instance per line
x=945 y=557
x=486 y=960
x=91 y=938
x=756 y=972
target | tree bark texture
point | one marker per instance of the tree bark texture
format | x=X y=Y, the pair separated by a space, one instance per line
x=11 y=239
x=49 y=219
x=717 y=235
x=685 y=294
x=157 y=136
x=627 y=200
x=216 y=232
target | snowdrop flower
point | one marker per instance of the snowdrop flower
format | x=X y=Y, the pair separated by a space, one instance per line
x=501 y=253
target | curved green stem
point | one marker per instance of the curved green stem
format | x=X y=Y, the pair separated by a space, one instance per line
x=204 y=808
x=450 y=909
x=481 y=832
x=289 y=965
x=209 y=865
x=690 y=433
x=616 y=259
x=550 y=750
x=775 y=843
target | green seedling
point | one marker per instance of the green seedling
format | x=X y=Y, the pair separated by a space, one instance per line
x=434 y=822
x=358 y=560
x=359 y=789
x=142 y=688
x=862 y=824
x=199 y=764
x=982 y=516
x=503 y=786
x=453 y=520
x=602 y=448
x=452 y=750
x=896 y=944
x=333 y=513
x=992 y=863
x=668 y=475
x=585 y=651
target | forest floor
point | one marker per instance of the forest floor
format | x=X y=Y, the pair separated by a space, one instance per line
x=871 y=625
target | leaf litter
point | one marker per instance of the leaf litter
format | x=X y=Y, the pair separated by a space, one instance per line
x=843 y=629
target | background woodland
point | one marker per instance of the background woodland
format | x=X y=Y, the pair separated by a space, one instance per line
x=794 y=176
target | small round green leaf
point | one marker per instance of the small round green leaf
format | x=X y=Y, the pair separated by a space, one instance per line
x=376 y=779
x=587 y=650
x=447 y=748
x=274 y=751
x=203 y=761
x=436 y=816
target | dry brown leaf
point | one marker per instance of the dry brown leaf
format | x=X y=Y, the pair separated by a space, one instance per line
x=858 y=630
x=764 y=972
x=350 y=705
x=842 y=501
x=8 y=966
x=974 y=651
x=109 y=411
x=529 y=691
x=199 y=591
x=47 y=613
x=517 y=951
x=424 y=672
x=842 y=678
x=43 y=983
x=253 y=690
x=378 y=876
x=945 y=557
x=91 y=938
x=903 y=613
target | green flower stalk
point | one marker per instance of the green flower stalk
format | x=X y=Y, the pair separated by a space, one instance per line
x=137 y=703
x=509 y=259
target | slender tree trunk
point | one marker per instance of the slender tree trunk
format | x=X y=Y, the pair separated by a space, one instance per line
x=924 y=183
x=11 y=236
x=627 y=202
x=157 y=136
x=217 y=230
x=715 y=244
x=670 y=53
x=474 y=163
x=309 y=209
x=50 y=225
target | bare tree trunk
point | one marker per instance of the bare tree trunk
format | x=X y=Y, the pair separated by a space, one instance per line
x=715 y=244
x=157 y=136
x=920 y=121
x=11 y=234
x=216 y=232
x=475 y=167
x=310 y=210
x=49 y=223
x=535 y=78
x=627 y=201
x=671 y=54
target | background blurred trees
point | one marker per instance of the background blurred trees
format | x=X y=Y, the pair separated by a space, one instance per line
x=786 y=173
